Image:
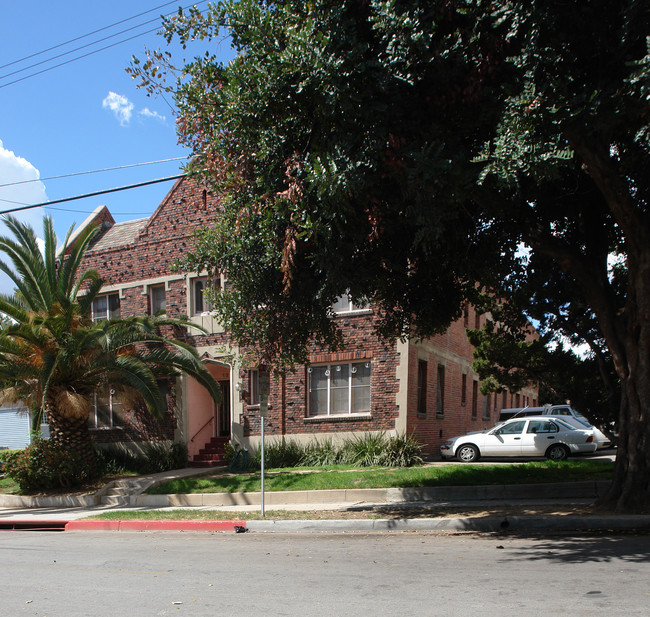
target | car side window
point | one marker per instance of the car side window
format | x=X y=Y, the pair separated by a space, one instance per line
x=514 y=428
x=541 y=426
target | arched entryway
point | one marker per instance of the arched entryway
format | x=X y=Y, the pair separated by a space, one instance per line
x=208 y=423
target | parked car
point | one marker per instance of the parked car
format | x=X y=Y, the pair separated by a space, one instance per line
x=566 y=412
x=530 y=436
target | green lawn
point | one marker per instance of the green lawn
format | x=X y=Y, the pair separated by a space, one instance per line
x=298 y=479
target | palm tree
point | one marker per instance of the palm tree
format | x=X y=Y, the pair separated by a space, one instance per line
x=54 y=357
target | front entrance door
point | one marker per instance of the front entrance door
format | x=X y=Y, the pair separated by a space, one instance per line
x=223 y=410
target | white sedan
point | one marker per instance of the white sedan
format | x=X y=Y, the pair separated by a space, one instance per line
x=531 y=436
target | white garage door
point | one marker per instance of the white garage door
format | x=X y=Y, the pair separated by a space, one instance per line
x=14 y=427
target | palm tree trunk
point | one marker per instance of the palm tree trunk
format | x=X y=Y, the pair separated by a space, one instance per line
x=72 y=435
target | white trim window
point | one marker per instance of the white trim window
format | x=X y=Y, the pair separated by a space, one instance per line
x=201 y=305
x=157 y=299
x=106 y=306
x=254 y=385
x=339 y=389
x=105 y=411
x=345 y=304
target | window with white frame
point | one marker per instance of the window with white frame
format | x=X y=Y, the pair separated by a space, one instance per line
x=157 y=299
x=339 y=389
x=106 y=306
x=345 y=304
x=254 y=386
x=106 y=410
x=200 y=302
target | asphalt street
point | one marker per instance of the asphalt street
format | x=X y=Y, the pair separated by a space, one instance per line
x=57 y=574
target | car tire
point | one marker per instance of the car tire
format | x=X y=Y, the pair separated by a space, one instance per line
x=557 y=452
x=467 y=453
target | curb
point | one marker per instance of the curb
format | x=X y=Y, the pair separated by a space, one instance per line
x=573 y=523
x=234 y=526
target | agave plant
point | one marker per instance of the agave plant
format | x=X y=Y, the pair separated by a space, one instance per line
x=53 y=357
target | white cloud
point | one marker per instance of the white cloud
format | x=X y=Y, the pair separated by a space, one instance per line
x=17 y=188
x=147 y=113
x=121 y=107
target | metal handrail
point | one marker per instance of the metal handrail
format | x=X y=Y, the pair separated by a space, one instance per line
x=197 y=432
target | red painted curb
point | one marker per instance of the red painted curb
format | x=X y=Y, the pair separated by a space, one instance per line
x=154 y=525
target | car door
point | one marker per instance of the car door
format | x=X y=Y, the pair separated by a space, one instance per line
x=538 y=436
x=504 y=440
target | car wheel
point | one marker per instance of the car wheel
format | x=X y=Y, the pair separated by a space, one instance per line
x=557 y=452
x=467 y=453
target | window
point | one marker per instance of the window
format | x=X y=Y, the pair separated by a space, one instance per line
x=463 y=390
x=106 y=410
x=344 y=304
x=514 y=428
x=477 y=320
x=157 y=299
x=254 y=386
x=106 y=306
x=541 y=426
x=440 y=391
x=486 y=407
x=474 y=399
x=422 y=387
x=201 y=304
x=338 y=389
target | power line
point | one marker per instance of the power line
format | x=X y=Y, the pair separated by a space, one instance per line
x=83 y=36
x=45 y=204
x=93 y=171
x=71 y=51
x=90 y=53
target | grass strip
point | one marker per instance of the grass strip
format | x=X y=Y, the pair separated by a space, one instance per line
x=296 y=479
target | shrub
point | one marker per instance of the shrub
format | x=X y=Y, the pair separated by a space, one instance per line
x=113 y=460
x=403 y=451
x=320 y=454
x=163 y=457
x=45 y=465
x=6 y=456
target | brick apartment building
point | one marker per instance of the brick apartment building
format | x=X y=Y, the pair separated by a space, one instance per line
x=427 y=388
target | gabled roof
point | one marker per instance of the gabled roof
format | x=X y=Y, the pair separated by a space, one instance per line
x=120 y=234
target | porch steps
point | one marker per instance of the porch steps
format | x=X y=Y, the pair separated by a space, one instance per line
x=118 y=492
x=212 y=454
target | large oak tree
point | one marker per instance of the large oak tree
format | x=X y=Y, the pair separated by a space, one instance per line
x=404 y=152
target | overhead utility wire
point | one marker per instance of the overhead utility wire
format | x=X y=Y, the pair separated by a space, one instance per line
x=67 y=53
x=83 y=36
x=45 y=204
x=94 y=171
x=90 y=53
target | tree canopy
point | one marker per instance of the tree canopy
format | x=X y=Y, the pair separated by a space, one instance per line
x=404 y=152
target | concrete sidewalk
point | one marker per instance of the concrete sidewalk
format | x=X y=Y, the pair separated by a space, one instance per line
x=67 y=513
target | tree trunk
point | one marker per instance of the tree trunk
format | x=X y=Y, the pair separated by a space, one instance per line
x=73 y=436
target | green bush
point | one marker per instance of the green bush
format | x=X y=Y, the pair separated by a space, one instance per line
x=115 y=460
x=368 y=450
x=45 y=465
x=321 y=454
x=6 y=456
x=163 y=457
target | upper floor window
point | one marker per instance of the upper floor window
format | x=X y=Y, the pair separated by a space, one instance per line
x=336 y=389
x=345 y=304
x=106 y=306
x=200 y=300
x=254 y=386
x=157 y=299
x=422 y=387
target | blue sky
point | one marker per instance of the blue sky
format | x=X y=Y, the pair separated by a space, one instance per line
x=85 y=115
